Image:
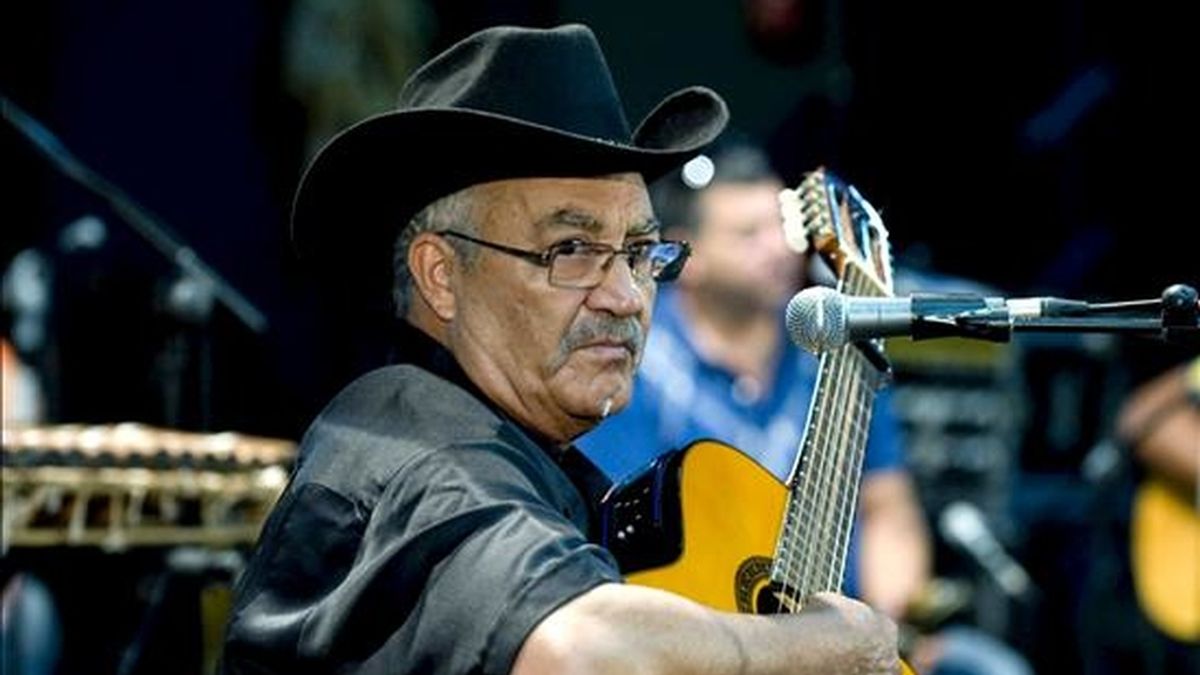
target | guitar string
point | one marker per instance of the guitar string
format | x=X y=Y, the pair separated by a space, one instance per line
x=819 y=505
x=867 y=380
x=810 y=502
x=820 y=517
x=832 y=482
x=816 y=562
x=842 y=432
x=800 y=500
x=795 y=528
x=804 y=509
x=830 y=542
x=849 y=470
x=813 y=502
x=823 y=545
x=821 y=482
x=835 y=445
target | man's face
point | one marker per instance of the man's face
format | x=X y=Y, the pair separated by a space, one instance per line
x=740 y=257
x=555 y=358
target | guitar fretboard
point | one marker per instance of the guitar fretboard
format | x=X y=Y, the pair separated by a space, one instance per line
x=823 y=489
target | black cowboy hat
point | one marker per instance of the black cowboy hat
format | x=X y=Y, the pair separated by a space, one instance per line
x=503 y=103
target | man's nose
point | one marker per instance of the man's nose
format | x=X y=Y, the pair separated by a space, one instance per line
x=619 y=293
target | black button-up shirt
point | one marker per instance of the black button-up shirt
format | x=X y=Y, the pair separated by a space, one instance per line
x=422 y=532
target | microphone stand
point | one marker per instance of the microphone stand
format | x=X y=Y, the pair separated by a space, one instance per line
x=149 y=227
x=1177 y=320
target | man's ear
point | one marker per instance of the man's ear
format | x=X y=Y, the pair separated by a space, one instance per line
x=432 y=262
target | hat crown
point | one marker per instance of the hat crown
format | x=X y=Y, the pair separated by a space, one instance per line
x=556 y=78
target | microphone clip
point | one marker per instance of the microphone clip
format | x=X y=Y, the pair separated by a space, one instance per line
x=1177 y=320
x=959 y=315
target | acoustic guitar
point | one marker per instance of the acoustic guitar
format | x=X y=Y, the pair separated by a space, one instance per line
x=709 y=522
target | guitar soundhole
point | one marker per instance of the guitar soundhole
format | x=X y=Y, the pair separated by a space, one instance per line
x=768 y=599
x=753 y=589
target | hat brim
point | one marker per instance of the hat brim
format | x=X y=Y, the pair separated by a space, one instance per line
x=371 y=179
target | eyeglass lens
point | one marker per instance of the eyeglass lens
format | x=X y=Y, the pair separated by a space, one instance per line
x=586 y=265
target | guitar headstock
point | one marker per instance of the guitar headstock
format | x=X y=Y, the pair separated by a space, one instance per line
x=828 y=215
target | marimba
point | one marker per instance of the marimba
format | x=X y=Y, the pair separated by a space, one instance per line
x=125 y=485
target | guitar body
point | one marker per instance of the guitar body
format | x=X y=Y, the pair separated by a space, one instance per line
x=730 y=509
x=1166 y=559
x=713 y=515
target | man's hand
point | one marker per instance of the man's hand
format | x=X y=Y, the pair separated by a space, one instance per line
x=862 y=639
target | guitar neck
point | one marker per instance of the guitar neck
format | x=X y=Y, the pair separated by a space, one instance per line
x=823 y=489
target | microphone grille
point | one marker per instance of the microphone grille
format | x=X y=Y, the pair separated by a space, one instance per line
x=816 y=319
x=961 y=522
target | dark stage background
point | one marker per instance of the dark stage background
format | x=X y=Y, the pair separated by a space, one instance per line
x=1027 y=147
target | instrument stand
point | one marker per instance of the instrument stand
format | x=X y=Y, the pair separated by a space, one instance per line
x=150 y=228
x=188 y=301
x=186 y=360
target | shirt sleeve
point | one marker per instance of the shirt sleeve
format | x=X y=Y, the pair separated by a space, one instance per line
x=466 y=552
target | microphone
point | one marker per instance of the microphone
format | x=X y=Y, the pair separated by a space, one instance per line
x=963 y=525
x=821 y=319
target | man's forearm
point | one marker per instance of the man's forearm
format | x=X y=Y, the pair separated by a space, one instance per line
x=630 y=629
x=1163 y=424
x=894 y=564
x=1173 y=449
x=894 y=561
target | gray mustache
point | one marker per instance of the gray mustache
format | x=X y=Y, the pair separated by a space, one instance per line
x=627 y=331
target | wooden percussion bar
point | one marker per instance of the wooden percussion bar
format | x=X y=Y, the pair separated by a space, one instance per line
x=127 y=485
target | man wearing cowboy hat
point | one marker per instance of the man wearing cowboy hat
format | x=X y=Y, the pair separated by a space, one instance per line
x=436 y=521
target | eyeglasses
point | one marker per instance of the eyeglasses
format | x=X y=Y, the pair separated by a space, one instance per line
x=581 y=264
